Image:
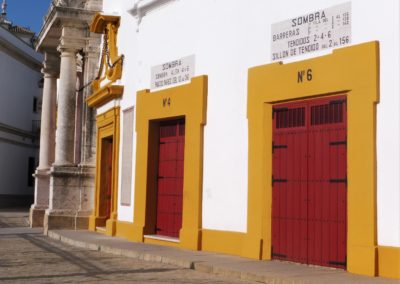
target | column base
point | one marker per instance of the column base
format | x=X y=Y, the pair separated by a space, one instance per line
x=41 y=199
x=71 y=199
x=57 y=221
x=36 y=217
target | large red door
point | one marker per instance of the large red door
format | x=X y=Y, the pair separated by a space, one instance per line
x=170 y=178
x=310 y=182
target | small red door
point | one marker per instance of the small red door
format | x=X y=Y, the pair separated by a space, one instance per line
x=106 y=177
x=170 y=178
x=309 y=182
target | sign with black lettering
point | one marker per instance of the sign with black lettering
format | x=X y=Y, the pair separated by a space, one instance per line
x=323 y=29
x=304 y=75
x=166 y=102
x=172 y=73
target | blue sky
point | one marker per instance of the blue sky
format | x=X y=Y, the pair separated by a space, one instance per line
x=27 y=13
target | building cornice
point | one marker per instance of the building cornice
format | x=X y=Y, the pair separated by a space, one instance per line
x=13 y=135
x=57 y=17
x=18 y=54
x=16 y=131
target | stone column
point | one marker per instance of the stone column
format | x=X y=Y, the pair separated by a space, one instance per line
x=91 y=65
x=65 y=175
x=47 y=139
x=66 y=108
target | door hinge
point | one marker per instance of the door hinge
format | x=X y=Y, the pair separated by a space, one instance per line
x=278 y=147
x=338 y=180
x=277 y=254
x=338 y=263
x=277 y=180
x=336 y=143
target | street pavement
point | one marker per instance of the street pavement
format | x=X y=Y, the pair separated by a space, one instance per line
x=27 y=256
x=67 y=256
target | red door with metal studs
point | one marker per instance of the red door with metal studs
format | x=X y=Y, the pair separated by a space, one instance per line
x=309 y=181
x=170 y=178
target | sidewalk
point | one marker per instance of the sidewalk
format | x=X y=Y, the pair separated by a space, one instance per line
x=275 y=272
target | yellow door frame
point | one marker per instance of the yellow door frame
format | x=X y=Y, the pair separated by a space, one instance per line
x=353 y=71
x=188 y=101
x=108 y=125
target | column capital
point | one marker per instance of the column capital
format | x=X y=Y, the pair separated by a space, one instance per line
x=50 y=73
x=73 y=38
x=67 y=50
x=51 y=64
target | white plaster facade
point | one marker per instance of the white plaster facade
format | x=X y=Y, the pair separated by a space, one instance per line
x=228 y=37
x=20 y=98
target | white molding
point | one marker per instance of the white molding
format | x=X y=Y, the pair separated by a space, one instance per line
x=162 y=238
x=142 y=7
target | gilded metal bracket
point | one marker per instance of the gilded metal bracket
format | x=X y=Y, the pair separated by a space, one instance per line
x=110 y=64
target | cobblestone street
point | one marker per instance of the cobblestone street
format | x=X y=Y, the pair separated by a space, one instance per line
x=27 y=256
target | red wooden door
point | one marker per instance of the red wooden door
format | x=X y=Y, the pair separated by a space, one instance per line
x=309 y=182
x=106 y=177
x=289 y=180
x=170 y=178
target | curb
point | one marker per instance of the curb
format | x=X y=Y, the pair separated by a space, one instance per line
x=199 y=266
x=128 y=253
x=224 y=265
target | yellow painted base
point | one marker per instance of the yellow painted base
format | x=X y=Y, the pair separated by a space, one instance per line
x=252 y=247
x=361 y=260
x=222 y=241
x=389 y=262
x=111 y=226
x=125 y=230
x=190 y=238
x=92 y=223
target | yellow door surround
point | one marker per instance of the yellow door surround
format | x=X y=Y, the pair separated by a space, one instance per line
x=108 y=125
x=188 y=101
x=353 y=71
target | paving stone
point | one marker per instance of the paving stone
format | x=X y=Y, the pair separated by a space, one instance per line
x=67 y=256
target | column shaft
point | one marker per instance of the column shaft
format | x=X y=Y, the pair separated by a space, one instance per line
x=66 y=110
x=48 y=125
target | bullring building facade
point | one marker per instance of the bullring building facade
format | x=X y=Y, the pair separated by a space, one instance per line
x=265 y=131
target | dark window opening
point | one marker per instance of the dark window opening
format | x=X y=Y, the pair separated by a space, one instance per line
x=35 y=104
x=31 y=171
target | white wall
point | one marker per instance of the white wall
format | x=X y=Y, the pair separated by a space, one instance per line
x=227 y=37
x=14 y=169
x=19 y=85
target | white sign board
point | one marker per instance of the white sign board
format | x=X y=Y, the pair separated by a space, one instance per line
x=171 y=73
x=323 y=29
